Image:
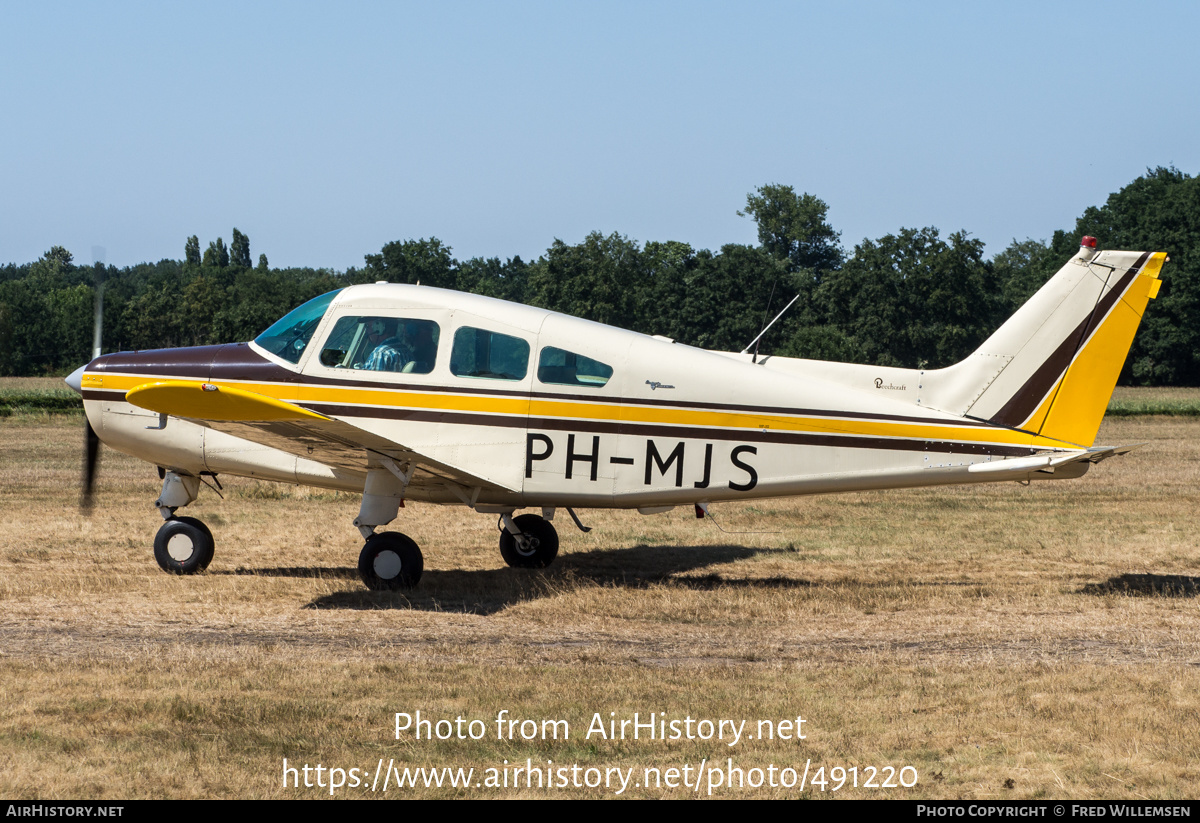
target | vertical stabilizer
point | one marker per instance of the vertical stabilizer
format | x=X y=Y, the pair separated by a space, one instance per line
x=1051 y=368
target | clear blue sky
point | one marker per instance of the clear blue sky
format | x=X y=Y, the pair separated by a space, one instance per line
x=324 y=131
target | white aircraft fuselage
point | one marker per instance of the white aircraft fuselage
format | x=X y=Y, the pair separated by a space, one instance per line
x=411 y=392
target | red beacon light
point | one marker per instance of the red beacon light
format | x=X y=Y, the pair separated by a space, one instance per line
x=1088 y=241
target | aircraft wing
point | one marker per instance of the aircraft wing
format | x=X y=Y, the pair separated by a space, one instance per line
x=293 y=429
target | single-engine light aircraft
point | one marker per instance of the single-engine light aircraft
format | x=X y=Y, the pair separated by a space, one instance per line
x=410 y=392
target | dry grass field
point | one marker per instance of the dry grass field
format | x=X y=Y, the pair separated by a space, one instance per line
x=1002 y=641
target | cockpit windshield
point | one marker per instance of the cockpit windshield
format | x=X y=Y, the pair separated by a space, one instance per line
x=288 y=337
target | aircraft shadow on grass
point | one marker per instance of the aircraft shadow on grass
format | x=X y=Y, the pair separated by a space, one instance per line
x=489 y=591
x=1158 y=585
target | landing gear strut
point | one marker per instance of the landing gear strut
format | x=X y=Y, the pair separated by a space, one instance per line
x=390 y=561
x=183 y=545
x=528 y=541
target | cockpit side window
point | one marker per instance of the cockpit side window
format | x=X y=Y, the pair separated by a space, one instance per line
x=289 y=336
x=482 y=353
x=393 y=344
x=566 y=368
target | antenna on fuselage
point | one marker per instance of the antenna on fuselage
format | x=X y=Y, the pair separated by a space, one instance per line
x=754 y=342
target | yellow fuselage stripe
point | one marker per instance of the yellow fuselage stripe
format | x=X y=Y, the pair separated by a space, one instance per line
x=564 y=409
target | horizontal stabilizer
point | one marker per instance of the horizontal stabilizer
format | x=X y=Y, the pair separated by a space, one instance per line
x=1048 y=463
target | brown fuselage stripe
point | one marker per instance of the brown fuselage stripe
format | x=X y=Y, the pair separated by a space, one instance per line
x=642 y=429
x=166 y=371
x=651 y=430
x=1023 y=403
x=237 y=362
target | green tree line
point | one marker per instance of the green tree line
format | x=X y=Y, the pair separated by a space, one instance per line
x=914 y=298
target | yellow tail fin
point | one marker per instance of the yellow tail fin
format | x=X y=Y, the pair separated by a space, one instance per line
x=1074 y=408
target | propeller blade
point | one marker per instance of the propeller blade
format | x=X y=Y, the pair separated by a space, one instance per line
x=98 y=277
x=91 y=458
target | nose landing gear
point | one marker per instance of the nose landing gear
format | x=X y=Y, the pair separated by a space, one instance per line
x=183 y=545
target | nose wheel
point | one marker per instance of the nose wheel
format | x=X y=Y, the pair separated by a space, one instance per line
x=390 y=561
x=183 y=545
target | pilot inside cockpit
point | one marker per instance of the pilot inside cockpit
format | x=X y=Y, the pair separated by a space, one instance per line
x=389 y=346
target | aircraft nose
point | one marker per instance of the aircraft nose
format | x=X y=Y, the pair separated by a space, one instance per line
x=75 y=379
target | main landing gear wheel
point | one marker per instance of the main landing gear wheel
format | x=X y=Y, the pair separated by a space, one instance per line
x=183 y=545
x=537 y=546
x=390 y=560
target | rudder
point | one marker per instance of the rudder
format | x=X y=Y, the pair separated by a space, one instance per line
x=1079 y=399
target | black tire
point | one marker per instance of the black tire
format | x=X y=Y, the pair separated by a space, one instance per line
x=542 y=548
x=390 y=561
x=183 y=545
x=207 y=557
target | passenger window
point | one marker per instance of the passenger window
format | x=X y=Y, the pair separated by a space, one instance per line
x=566 y=368
x=480 y=353
x=391 y=344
